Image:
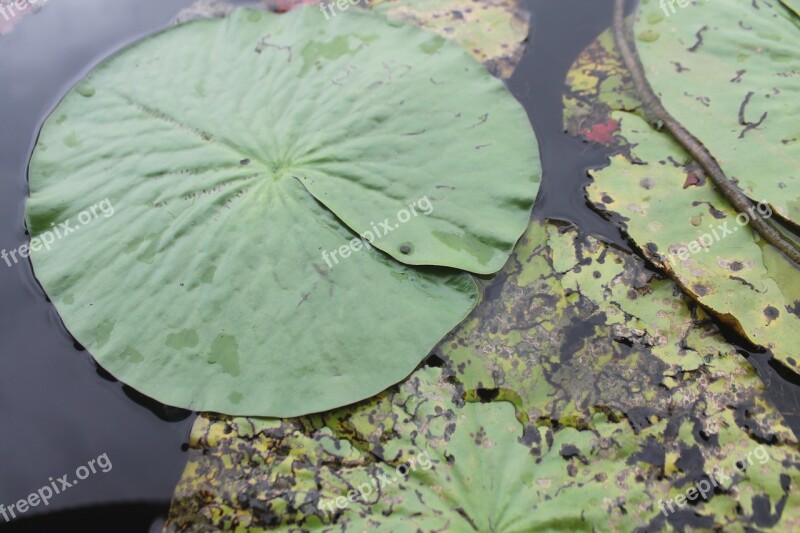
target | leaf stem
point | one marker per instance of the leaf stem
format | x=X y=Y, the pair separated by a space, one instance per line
x=692 y=144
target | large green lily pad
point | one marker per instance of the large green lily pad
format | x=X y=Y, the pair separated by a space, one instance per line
x=238 y=155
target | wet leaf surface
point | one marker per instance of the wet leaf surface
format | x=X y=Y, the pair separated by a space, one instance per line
x=597 y=83
x=731 y=74
x=691 y=233
x=664 y=203
x=624 y=396
x=494 y=31
x=237 y=172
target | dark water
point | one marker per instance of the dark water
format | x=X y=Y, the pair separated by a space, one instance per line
x=56 y=411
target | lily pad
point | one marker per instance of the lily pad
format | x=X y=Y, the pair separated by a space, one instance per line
x=663 y=201
x=745 y=108
x=617 y=416
x=597 y=83
x=239 y=154
x=582 y=336
x=702 y=242
x=436 y=464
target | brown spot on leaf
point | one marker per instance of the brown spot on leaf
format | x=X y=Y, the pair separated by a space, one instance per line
x=700 y=290
x=647 y=183
x=771 y=313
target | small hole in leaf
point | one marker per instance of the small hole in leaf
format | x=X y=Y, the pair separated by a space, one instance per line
x=487 y=395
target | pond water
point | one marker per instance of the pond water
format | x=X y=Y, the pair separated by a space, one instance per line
x=57 y=410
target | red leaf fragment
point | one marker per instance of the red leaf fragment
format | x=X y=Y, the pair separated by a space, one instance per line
x=602 y=133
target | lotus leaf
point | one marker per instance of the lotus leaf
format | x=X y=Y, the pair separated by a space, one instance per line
x=730 y=73
x=617 y=417
x=243 y=158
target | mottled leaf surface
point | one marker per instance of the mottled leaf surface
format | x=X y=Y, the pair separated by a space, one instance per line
x=624 y=396
x=695 y=236
x=481 y=476
x=494 y=31
x=236 y=152
x=597 y=83
x=666 y=205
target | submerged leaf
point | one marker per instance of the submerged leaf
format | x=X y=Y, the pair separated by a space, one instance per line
x=243 y=156
x=621 y=413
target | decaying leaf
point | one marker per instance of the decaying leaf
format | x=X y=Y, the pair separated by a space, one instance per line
x=415 y=459
x=677 y=219
x=494 y=31
x=625 y=399
x=702 y=242
x=597 y=83
x=243 y=157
